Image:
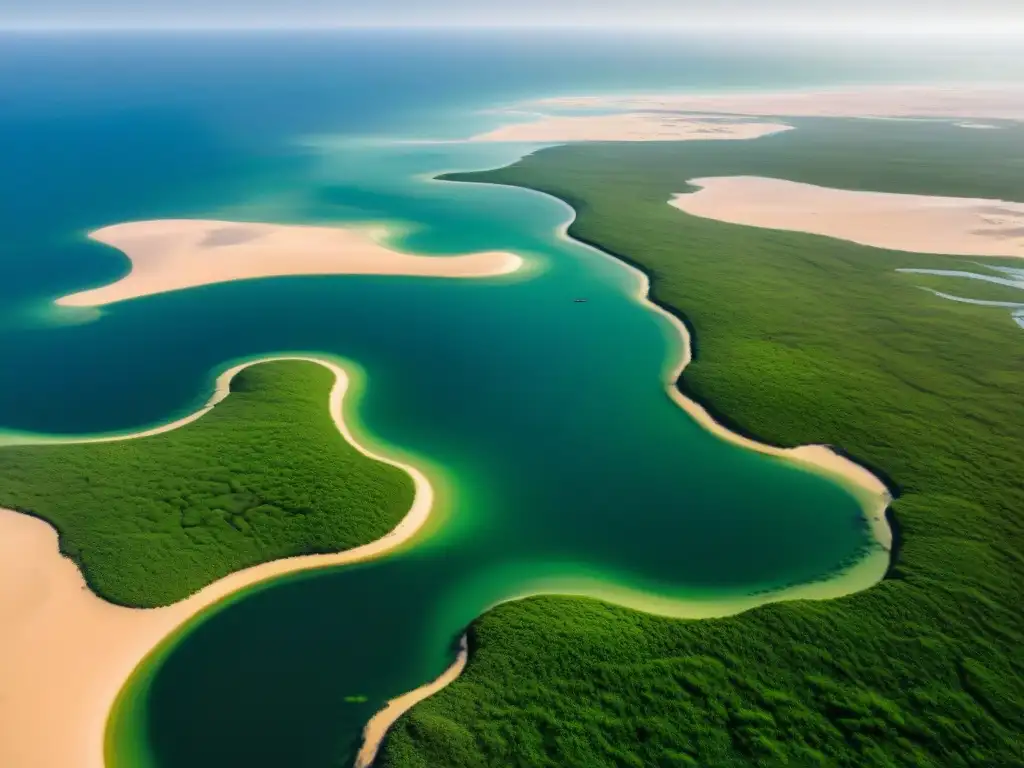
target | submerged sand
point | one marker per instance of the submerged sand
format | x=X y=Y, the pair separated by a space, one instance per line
x=994 y=102
x=172 y=254
x=65 y=653
x=635 y=126
x=913 y=223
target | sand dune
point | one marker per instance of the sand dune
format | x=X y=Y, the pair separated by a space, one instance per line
x=65 y=653
x=171 y=254
x=635 y=126
x=914 y=223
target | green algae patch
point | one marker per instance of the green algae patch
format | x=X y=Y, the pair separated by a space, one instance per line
x=264 y=475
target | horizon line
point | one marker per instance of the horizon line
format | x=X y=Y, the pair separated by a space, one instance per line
x=993 y=28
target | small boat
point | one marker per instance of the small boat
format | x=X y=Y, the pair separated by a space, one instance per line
x=580 y=301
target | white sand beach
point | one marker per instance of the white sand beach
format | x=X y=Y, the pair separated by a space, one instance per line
x=172 y=254
x=634 y=126
x=993 y=102
x=913 y=223
x=65 y=653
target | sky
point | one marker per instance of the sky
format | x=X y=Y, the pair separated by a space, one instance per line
x=921 y=16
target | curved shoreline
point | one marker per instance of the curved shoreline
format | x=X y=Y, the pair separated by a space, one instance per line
x=121 y=639
x=872 y=492
x=869 y=489
x=379 y=725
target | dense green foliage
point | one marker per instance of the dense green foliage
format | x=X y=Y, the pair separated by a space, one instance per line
x=800 y=339
x=968 y=288
x=262 y=476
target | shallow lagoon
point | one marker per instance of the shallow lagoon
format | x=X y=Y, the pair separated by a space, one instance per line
x=559 y=456
x=562 y=464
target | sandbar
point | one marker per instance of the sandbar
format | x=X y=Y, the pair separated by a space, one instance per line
x=65 y=653
x=173 y=254
x=991 y=102
x=913 y=223
x=633 y=126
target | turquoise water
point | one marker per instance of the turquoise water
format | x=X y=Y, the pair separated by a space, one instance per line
x=545 y=422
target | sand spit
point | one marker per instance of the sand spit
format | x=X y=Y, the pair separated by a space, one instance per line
x=913 y=223
x=634 y=126
x=65 y=653
x=172 y=254
x=978 y=102
x=377 y=728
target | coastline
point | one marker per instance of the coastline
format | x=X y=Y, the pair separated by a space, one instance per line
x=379 y=725
x=628 y=126
x=871 y=491
x=111 y=642
x=996 y=101
x=865 y=572
x=873 y=494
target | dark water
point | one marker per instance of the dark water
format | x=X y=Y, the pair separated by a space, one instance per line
x=562 y=462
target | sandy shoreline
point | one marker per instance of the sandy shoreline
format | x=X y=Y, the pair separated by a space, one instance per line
x=45 y=596
x=913 y=223
x=981 y=102
x=377 y=728
x=66 y=653
x=173 y=254
x=631 y=126
x=820 y=459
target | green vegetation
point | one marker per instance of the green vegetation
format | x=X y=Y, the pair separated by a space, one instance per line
x=262 y=476
x=799 y=339
x=968 y=288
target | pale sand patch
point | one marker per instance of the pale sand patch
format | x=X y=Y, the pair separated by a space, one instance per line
x=983 y=102
x=913 y=223
x=65 y=653
x=172 y=254
x=636 y=126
